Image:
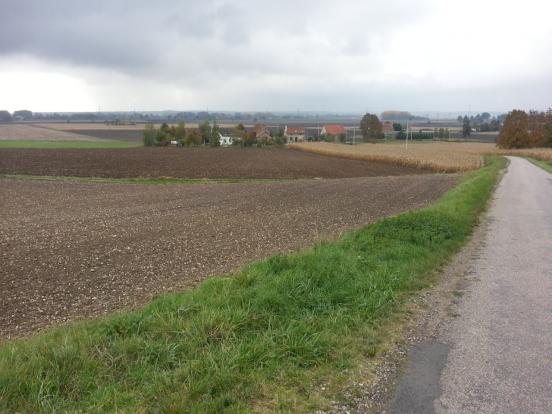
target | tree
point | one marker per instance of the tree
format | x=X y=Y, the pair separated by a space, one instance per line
x=249 y=139
x=149 y=135
x=193 y=138
x=24 y=114
x=238 y=134
x=547 y=133
x=205 y=131
x=370 y=127
x=163 y=137
x=180 y=133
x=279 y=137
x=540 y=128
x=397 y=127
x=466 y=127
x=515 y=132
x=214 y=140
x=5 y=116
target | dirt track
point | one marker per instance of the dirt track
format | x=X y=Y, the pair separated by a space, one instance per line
x=72 y=250
x=190 y=163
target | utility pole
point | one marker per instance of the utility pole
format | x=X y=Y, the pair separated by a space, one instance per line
x=406 y=146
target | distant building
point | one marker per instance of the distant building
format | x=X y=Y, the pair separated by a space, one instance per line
x=333 y=130
x=294 y=134
x=226 y=140
x=388 y=130
x=262 y=133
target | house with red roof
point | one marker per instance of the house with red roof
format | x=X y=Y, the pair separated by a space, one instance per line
x=387 y=129
x=262 y=133
x=333 y=130
x=294 y=134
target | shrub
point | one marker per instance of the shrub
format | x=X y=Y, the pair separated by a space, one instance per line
x=149 y=135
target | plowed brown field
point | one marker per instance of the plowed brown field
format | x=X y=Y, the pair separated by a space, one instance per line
x=190 y=163
x=71 y=250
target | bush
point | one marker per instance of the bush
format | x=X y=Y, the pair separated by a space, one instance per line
x=149 y=135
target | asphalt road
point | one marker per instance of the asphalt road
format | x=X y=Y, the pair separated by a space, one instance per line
x=495 y=356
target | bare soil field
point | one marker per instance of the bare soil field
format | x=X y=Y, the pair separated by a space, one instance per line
x=71 y=250
x=129 y=135
x=100 y=126
x=190 y=163
x=34 y=133
x=95 y=126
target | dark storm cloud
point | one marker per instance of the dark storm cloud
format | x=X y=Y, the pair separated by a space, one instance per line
x=124 y=35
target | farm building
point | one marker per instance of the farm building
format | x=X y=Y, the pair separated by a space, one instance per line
x=333 y=130
x=388 y=130
x=312 y=133
x=262 y=133
x=294 y=134
x=226 y=140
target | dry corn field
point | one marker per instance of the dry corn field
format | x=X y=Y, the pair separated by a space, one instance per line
x=437 y=156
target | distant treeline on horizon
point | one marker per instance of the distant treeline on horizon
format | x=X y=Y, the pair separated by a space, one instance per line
x=125 y=117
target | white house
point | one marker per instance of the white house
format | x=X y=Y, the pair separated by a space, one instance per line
x=294 y=134
x=226 y=140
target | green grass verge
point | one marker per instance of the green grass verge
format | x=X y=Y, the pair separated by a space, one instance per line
x=546 y=165
x=66 y=144
x=261 y=340
x=148 y=181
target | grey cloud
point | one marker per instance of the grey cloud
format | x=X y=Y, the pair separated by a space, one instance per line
x=139 y=36
x=317 y=54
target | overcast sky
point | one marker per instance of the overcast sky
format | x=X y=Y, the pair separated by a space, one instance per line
x=323 y=55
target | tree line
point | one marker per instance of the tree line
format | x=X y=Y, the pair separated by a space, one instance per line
x=526 y=130
x=206 y=134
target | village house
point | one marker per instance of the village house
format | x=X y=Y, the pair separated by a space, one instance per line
x=333 y=130
x=294 y=134
x=262 y=133
x=226 y=140
x=388 y=130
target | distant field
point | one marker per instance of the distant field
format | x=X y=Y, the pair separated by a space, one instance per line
x=129 y=135
x=190 y=163
x=25 y=132
x=439 y=156
x=99 y=126
x=436 y=156
x=64 y=144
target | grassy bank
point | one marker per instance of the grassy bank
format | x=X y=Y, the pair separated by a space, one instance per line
x=66 y=144
x=545 y=165
x=262 y=340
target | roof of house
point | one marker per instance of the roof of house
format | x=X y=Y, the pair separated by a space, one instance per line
x=259 y=128
x=334 y=129
x=387 y=127
x=295 y=130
